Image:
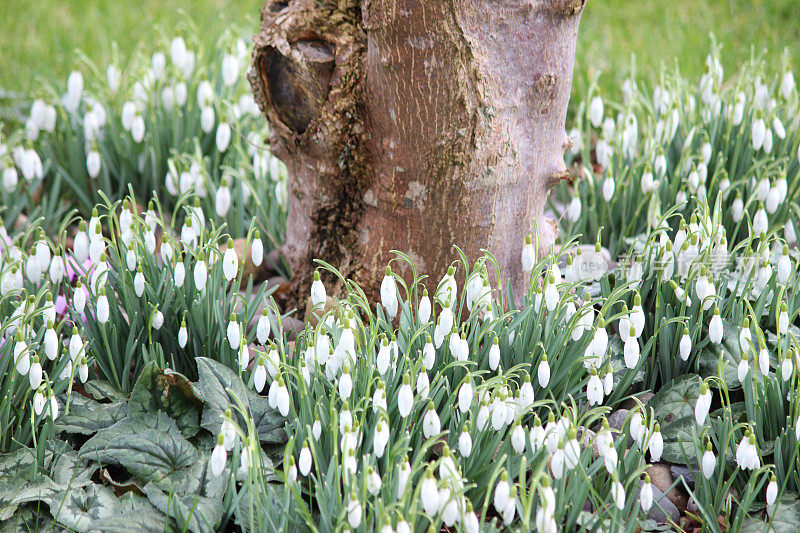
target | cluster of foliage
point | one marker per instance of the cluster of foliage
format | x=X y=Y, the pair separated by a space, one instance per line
x=148 y=383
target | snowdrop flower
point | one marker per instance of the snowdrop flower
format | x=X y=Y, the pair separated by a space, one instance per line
x=178 y=52
x=618 y=494
x=772 y=490
x=222 y=199
x=767 y=144
x=551 y=296
x=502 y=492
x=80 y=246
x=537 y=434
x=93 y=162
x=384 y=356
x=784 y=266
x=737 y=114
x=10 y=177
x=345 y=385
x=631 y=350
x=685 y=345
x=244 y=354
x=79 y=298
x=465 y=442
x=465 y=396
x=234 y=333
x=526 y=392
x=260 y=375
x=646 y=494
x=207 y=118
x=446 y=294
x=318 y=295
x=389 y=293
x=498 y=411
x=424 y=310
x=543 y=372
x=50 y=341
x=557 y=461
x=745 y=336
x=703 y=404
x=469 y=520
x=34 y=372
x=381 y=438
x=743 y=368
x=405 y=397
x=281 y=396
x=428 y=354
x=648 y=184
x=430 y=422
x=494 y=354
x=53 y=407
x=747 y=453
x=787 y=84
x=39 y=401
x=482 y=418
x=218 y=457
x=783 y=320
x=223 y=137
x=777 y=125
x=594 y=389
x=758 y=132
x=596 y=111
x=574 y=209
x=636 y=427
x=715 y=327
x=230 y=70
x=459 y=348
x=709 y=461
x=137 y=127
x=97 y=245
x=760 y=221
x=763 y=360
x=608 y=188
x=230 y=262
x=402 y=478
x=429 y=494
x=257 y=249
x=304 y=463
x=528 y=255
x=608 y=380
x=158 y=319
x=102 y=306
x=660 y=163
x=511 y=507
x=158 y=63
x=600 y=341
x=263 y=327
x=373 y=482
x=74 y=91
x=737 y=208
x=518 y=438
x=200 y=272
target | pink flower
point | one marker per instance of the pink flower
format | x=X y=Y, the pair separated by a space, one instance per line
x=74 y=270
x=61 y=304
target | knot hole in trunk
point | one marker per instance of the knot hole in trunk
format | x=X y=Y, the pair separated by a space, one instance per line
x=297 y=84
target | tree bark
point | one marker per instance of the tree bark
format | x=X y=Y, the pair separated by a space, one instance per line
x=415 y=125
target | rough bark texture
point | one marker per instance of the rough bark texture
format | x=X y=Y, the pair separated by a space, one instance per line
x=415 y=125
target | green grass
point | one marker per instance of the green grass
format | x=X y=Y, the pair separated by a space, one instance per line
x=39 y=39
x=663 y=31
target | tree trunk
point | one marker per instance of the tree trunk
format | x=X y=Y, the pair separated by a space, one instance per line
x=415 y=125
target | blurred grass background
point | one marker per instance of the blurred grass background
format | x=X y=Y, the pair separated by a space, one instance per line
x=39 y=38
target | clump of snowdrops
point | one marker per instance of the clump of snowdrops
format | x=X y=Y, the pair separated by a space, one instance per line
x=455 y=402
